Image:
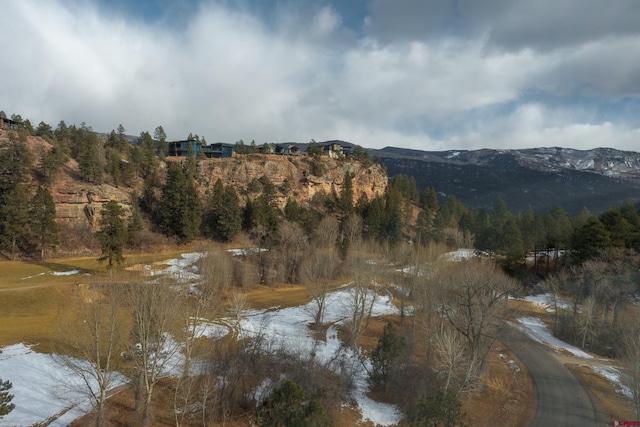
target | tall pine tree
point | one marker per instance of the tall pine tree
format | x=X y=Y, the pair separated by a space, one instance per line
x=44 y=228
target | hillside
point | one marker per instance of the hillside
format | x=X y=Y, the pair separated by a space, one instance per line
x=78 y=203
x=541 y=177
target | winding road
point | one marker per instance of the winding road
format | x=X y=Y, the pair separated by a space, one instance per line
x=561 y=399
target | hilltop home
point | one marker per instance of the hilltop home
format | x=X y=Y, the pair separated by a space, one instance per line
x=8 y=124
x=186 y=147
x=288 y=149
x=268 y=148
x=331 y=149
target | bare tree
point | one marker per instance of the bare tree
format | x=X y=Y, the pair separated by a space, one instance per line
x=318 y=270
x=361 y=298
x=352 y=227
x=328 y=231
x=587 y=319
x=293 y=245
x=459 y=369
x=90 y=343
x=473 y=296
x=154 y=316
x=216 y=269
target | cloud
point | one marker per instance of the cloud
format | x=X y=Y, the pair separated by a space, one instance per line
x=298 y=73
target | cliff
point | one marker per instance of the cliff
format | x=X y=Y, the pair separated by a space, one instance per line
x=305 y=179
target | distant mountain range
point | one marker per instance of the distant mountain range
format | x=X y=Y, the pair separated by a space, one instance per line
x=539 y=177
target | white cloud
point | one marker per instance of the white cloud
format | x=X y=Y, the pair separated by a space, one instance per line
x=229 y=74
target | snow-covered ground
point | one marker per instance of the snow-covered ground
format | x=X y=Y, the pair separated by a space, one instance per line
x=537 y=330
x=42 y=388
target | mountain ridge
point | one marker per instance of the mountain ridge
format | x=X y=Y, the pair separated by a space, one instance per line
x=540 y=178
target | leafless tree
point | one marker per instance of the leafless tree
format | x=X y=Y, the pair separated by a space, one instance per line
x=587 y=319
x=318 y=270
x=361 y=298
x=328 y=231
x=154 y=316
x=453 y=361
x=293 y=245
x=352 y=227
x=90 y=343
x=472 y=297
x=216 y=269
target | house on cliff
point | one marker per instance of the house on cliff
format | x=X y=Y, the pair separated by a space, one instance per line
x=7 y=124
x=212 y=151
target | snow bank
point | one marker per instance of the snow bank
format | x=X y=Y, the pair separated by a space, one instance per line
x=537 y=330
x=613 y=375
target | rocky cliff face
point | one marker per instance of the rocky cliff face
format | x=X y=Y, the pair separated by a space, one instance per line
x=305 y=179
x=78 y=202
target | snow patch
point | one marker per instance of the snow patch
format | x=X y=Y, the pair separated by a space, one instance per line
x=613 y=375
x=537 y=330
x=36 y=378
x=65 y=273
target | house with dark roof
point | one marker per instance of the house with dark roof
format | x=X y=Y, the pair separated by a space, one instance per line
x=212 y=151
x=288 y=149
x=8 y=124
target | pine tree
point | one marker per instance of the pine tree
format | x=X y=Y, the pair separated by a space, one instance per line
x=161 y=136
x=179 y=211
x=134 y=224
x=285 y=407
x=345 y=201
x=441 y=409
x=385 y=356
x=43 y=220
x=112 y=233
x=5 y=398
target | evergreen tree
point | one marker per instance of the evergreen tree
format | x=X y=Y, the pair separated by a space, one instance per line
x=285 y=407
x=134 y=225
x=345 y=201
x=267 y=212
x=442 y=409
x=88 y=151
x=5 y=398
x=112 y=233
x=179 y=211
x=121 y=143
x=161 y=136
x=43 y=220
x=429 y=200
x=385 y=357
x=224 y=215
x=590 y=240
x=148 y=159
x=14 y=219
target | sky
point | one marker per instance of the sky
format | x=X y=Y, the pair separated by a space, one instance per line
x=421 y=74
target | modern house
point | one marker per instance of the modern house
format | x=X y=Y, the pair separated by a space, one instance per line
x=288 y=149
x=268 y=148
x=8 y=124
x=211 y=151
x=331 y=149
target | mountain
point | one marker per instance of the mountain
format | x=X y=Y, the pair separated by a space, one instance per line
x=539 y=177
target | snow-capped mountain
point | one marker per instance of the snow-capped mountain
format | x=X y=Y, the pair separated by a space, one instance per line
x=539 y=177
